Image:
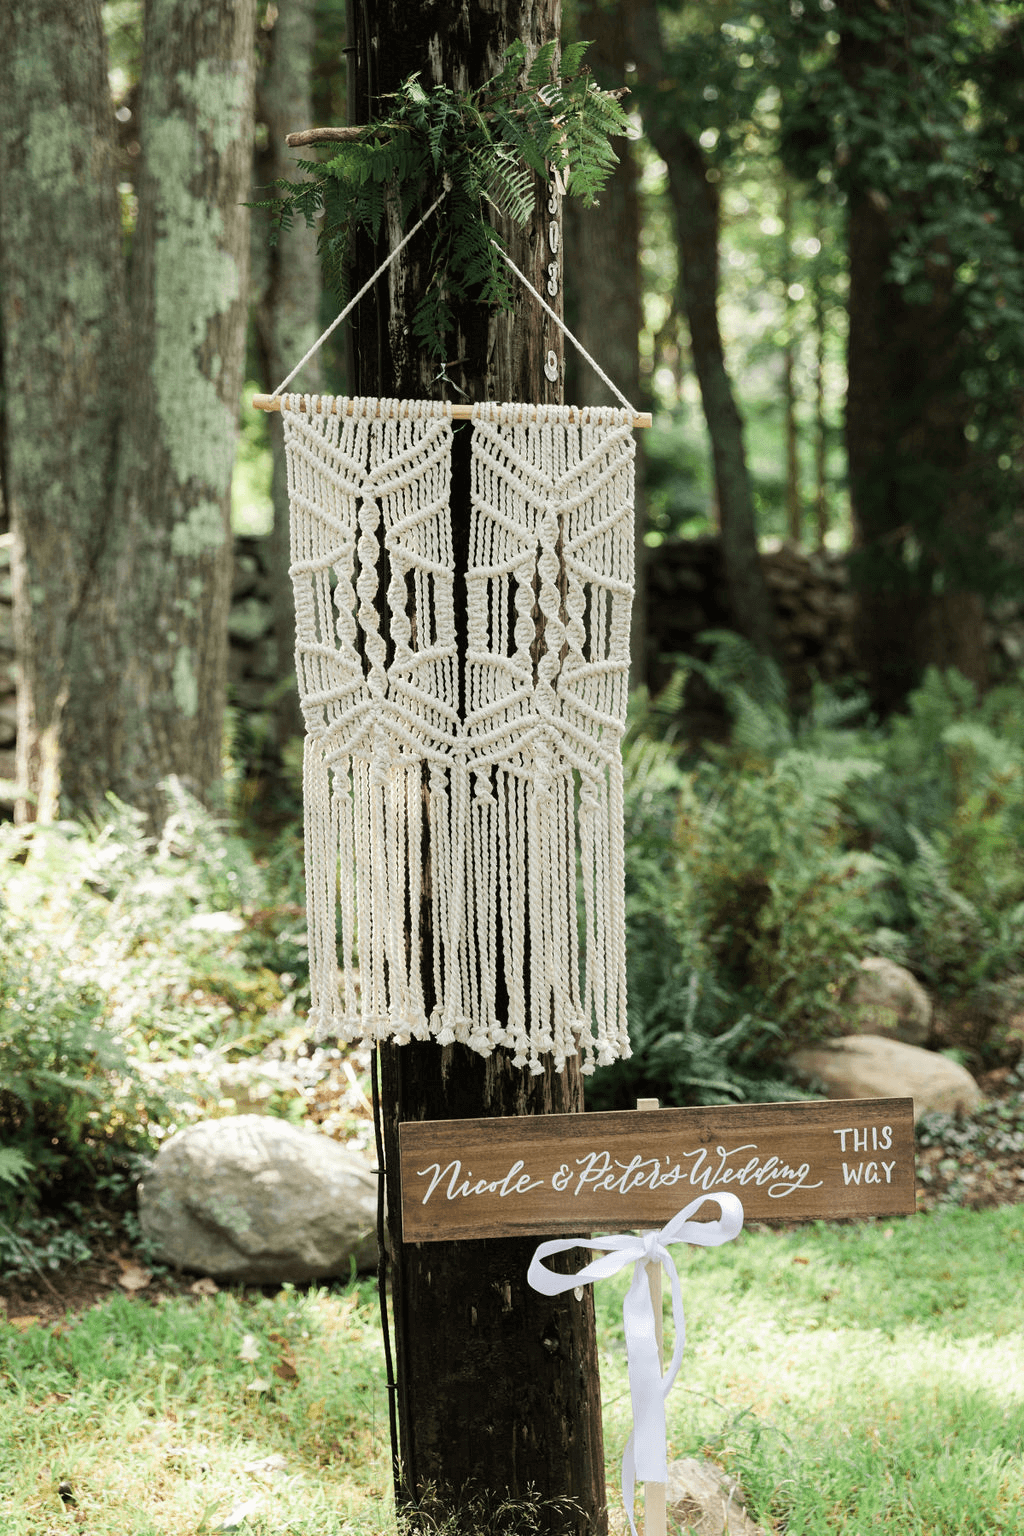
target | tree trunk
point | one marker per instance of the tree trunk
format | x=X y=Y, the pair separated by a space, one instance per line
x=909 y=460
x=498 y=1388
x=820 y=421
x=287 y=302
x=120 y=518
x=794 y=508
x=602 y=261
x=695 y=208
x=64 y=348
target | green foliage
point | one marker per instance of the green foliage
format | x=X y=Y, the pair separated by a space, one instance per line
x=760 y=874
x=118 y=954
x=692 y=1040
x=482 y=150
x=947 y=819
x=746 y=913
x=14 y=1165
x=918 y=114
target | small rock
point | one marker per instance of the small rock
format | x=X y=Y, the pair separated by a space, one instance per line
x=250 y=1198
x=885 y=999
x=871 y=1067
x=703 y=1500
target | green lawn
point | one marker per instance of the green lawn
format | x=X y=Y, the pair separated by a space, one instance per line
x=856 y=1379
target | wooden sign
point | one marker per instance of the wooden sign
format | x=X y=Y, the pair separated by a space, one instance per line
x=562 y=1175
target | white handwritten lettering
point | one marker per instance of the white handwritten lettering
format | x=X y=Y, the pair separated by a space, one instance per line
x=515 y=1182
x=880 y=1136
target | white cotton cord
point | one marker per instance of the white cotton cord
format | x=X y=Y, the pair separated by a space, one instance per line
x=580 y=348
x=504 y=781
x=350 y=306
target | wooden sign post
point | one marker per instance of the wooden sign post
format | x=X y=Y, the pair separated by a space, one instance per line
x=562 y=1175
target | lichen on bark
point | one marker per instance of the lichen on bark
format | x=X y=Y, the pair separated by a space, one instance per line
x=118 y=420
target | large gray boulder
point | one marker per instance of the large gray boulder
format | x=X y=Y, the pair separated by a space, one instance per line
x=870 y=1067
x=886 y=999
x=253 y=1199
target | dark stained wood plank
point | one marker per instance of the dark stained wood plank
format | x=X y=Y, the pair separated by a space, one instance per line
x=566 y=1174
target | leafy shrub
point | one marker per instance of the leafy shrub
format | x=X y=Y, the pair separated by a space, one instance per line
x=117 y=952
x=688 y=1045
x=758 y=876
x=786 y=909
x=746 y=914
x=946 y=818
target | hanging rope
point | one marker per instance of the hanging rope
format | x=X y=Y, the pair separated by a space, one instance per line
x=350 y=306
x=580 y=348
x=272 y=402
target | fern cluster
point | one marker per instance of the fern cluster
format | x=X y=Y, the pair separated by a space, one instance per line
x=485 y=150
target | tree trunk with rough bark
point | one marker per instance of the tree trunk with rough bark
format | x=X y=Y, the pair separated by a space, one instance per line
x=694 y=200
x=498 y=1387
x=911 y=473
x=602 y=252
x=286 y=311
x=122 y=605
x=64 y=327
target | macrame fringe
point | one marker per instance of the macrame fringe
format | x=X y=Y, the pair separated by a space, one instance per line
x=507 y=775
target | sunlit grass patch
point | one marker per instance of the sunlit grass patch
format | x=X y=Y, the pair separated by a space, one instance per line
x=855 y=1380
x=166 y=1419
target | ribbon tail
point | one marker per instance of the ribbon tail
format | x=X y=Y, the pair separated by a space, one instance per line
x=645 y=1381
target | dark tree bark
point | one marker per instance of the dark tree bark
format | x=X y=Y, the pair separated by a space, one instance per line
x=499 y=1392
x=119 y=413
x=694 y=201
x=602 y=268
x=794 y=501
x=912 y=481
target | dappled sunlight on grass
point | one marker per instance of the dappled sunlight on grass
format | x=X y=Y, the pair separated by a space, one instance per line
x=167 y=1418
x=852 y=1378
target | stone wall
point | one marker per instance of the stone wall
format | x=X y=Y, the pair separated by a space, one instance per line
x=686 y=595
x=813 y=605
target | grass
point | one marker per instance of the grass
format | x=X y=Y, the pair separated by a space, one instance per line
x=173 y=1418
x=855 y=1379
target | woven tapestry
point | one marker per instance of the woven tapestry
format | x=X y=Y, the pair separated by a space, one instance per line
x=463 y=775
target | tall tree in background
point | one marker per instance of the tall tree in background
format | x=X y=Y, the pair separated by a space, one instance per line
x=602 y=252
x=694 y=197
x=913 y=113
x=498 y=1387
x=120 y=391
x=286 y=296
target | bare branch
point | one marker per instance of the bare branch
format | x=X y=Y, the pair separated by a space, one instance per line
x=323 y=136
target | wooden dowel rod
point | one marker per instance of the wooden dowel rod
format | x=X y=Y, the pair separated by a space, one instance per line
x=459 y=412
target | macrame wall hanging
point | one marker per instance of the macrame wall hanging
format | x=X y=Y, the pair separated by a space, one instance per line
x=462 y=771
x=506 y=764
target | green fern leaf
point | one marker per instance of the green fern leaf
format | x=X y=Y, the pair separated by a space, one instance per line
x=542 y=70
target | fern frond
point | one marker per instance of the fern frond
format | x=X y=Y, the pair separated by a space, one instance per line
x=487 y=146
x=542 y=70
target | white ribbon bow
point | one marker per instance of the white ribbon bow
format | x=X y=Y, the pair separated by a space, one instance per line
x=646 y=1453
